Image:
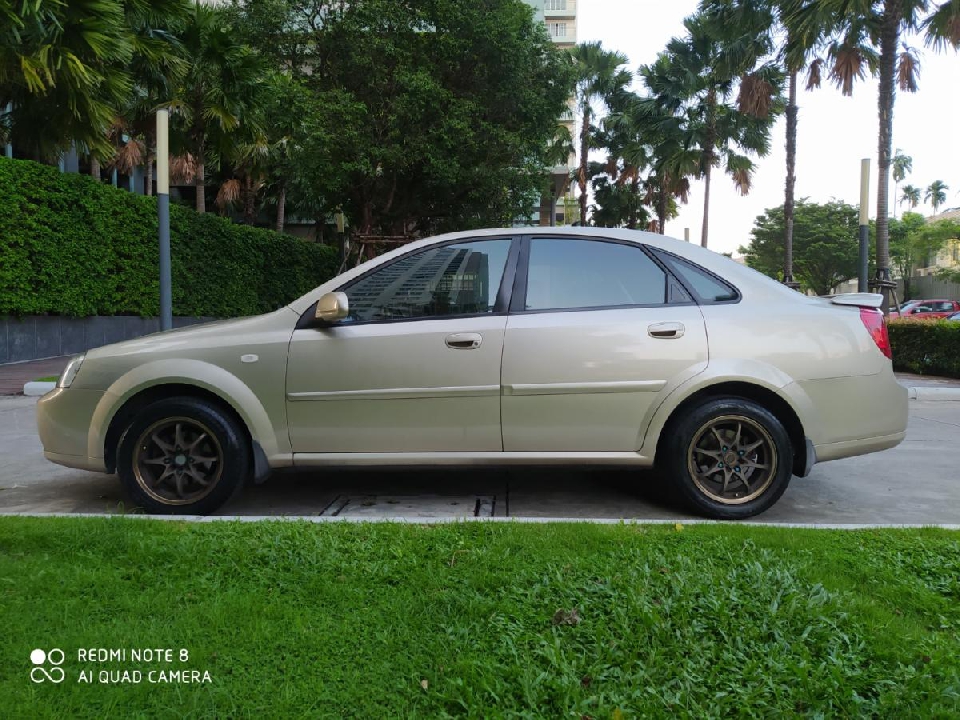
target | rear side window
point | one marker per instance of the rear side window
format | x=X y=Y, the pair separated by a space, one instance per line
x=707 y=286
x=568 y=274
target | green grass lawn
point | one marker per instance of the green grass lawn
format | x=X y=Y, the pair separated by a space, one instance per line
x=379 y=620
x=48 y=378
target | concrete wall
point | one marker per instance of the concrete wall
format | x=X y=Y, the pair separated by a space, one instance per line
x=41 y=336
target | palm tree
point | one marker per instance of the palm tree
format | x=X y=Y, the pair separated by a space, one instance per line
x=902 y=166
x=878 y=26
x=911 y=196
x=694 y=78
x=216 y=94
x=61 y=69
x=599 y=74
x=936 y=194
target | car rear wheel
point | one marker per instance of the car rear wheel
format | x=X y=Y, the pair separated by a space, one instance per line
x=730 y=458
x=182 y=456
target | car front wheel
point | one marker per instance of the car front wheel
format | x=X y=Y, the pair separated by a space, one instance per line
x=182 y=456
x=730 y=458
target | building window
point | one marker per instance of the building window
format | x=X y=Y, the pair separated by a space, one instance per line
x=556 y=5
x=558 y=29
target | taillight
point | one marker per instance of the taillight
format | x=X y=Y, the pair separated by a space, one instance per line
x=873 y=322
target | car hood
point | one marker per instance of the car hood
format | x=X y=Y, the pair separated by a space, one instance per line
x=193 y=336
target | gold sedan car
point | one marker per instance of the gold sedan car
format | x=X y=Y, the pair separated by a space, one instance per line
x=541 y=346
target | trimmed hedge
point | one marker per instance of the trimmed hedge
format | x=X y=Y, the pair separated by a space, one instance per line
x=72 y=246
x=927 y=347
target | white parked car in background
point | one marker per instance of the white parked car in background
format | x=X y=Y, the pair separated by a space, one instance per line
x=542 y=346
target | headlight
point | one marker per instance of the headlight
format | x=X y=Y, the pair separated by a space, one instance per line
x=70 y=371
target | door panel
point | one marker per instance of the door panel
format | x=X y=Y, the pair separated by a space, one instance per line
x=396 y=387
x=593 y=342
x=583 y=381
x=416 y=365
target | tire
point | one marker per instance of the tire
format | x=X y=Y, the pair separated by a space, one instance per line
x=172 y=446
x=704 y=447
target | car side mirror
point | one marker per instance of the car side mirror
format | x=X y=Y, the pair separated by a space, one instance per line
x=333 y=307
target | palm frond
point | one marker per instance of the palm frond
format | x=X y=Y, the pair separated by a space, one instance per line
x=908 y=71
x=228 y=194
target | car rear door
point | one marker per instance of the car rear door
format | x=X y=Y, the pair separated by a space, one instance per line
x=597 y=330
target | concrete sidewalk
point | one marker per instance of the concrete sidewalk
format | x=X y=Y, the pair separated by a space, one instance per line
x=13 y=376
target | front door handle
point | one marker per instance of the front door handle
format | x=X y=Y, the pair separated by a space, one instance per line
x=666 y=330
x=464 y=341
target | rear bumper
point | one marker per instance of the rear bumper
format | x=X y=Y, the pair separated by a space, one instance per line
x=850 y=448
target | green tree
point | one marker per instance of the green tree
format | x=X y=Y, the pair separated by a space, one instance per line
x=910 y=196
x=215 y=98
x=428 y=116
x=826 y=248
x=599 y=76
x=695 y=79
x=873 y=34
x=67 y=68
x=936 y=194
x=914 y=242
x=902 y=166
x=789 y=47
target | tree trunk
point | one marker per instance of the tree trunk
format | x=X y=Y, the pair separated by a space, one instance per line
x=662 y=205
x=148 y=180
x=281 y=208
x=199 y=184
x=634 y=201
x=791 y=182
x=95 y=167
x=582 y=171
x=709 y=141
x=249 y=201
x=889 y=39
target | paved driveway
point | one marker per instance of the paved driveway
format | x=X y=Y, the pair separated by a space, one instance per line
x=917 y=482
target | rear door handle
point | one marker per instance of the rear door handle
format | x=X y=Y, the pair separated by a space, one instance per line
x=464 y=341
x=666 y=330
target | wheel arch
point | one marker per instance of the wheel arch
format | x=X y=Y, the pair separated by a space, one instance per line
x=139 y=388
x=763 y=396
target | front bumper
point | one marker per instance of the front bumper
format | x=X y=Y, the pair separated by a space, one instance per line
x=64 y=418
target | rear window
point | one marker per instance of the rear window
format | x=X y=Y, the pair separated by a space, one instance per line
x=706 y=286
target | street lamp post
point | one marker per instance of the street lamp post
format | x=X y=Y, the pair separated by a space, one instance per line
x=163 y=213
x=864 y=225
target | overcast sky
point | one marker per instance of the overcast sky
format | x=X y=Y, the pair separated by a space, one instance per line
x=834 y=132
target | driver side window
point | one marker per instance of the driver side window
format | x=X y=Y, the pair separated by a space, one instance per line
x=441 y=281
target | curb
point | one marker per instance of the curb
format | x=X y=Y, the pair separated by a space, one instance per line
x=678 y=523
x=934 y=394
x=35 y=389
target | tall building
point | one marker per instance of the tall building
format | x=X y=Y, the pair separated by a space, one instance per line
x=560 y=17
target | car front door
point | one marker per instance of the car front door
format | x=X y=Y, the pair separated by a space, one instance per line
x=597 y=329
x=416 y=365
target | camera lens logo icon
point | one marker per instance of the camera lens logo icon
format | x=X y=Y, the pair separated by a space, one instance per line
x=40 y=673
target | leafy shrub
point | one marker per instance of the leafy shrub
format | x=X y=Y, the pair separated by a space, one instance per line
x=928 y=347
x=72 y=246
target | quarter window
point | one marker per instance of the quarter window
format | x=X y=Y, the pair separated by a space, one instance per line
x=566 y=274
x=708 y=288
x=460 y=279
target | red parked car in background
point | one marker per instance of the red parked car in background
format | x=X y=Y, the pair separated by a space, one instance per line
x=925 y=309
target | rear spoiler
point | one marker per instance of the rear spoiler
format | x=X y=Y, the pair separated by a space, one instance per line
x=870 y=300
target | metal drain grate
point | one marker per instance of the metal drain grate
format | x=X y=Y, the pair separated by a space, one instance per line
x=411 y=506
